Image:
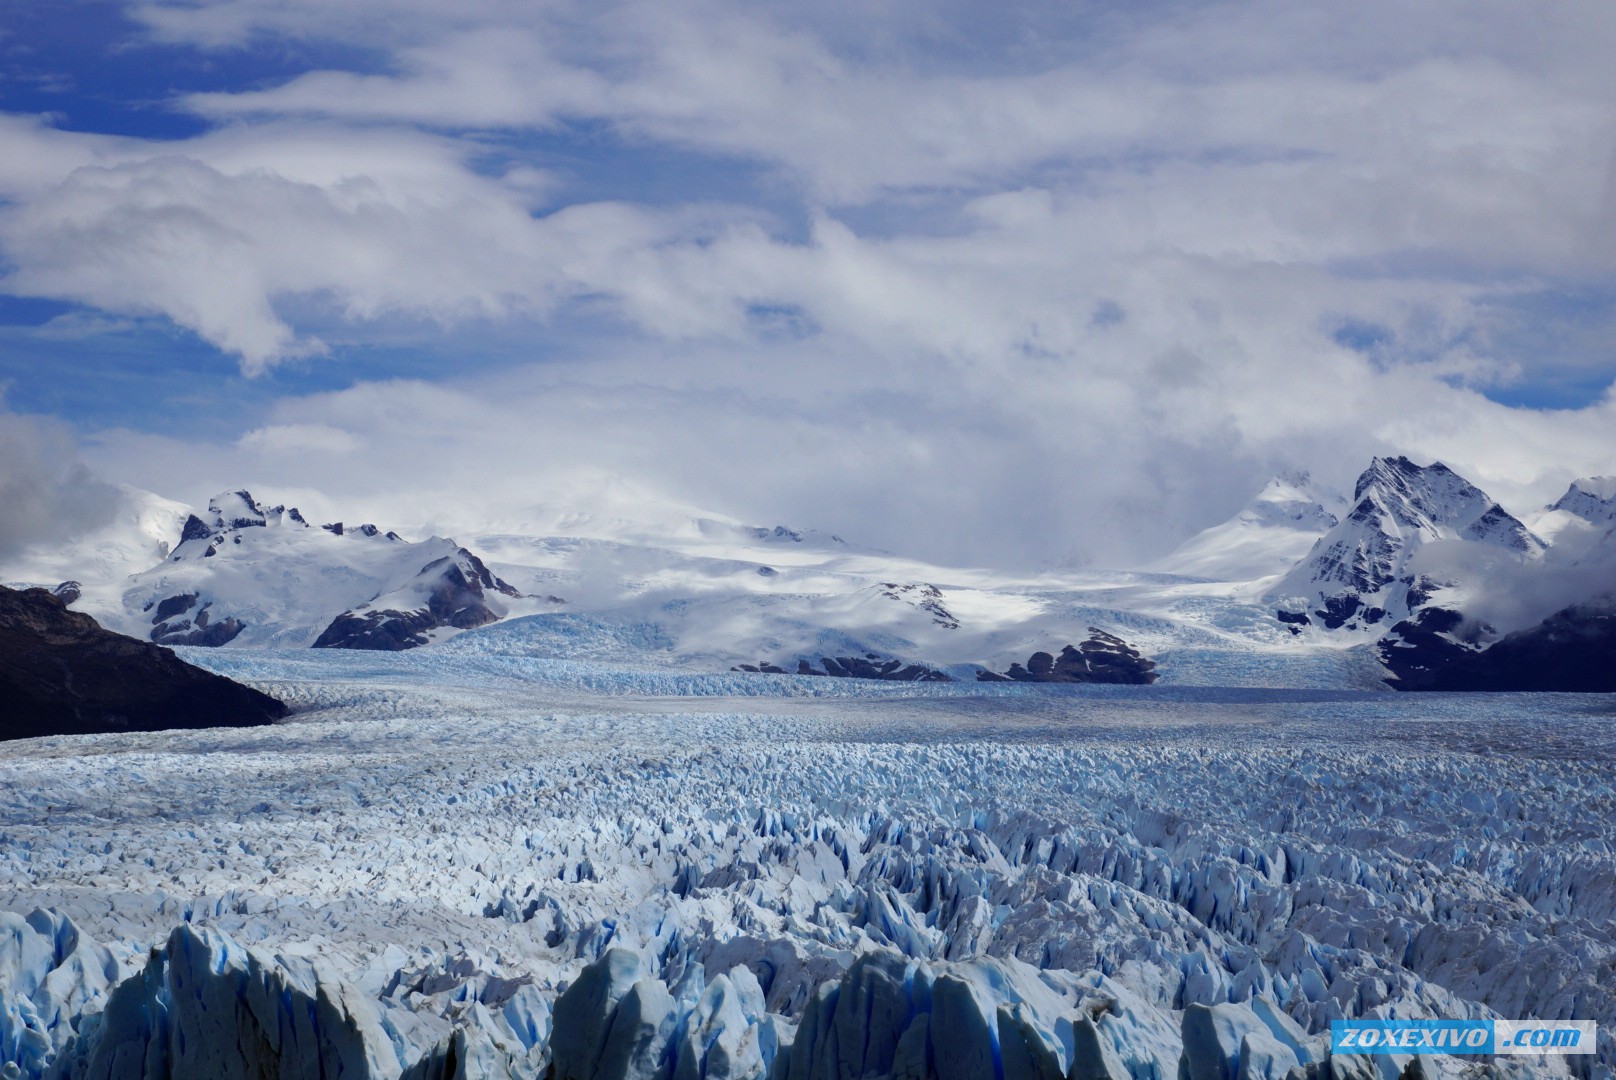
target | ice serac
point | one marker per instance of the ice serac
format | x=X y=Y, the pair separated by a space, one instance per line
x=62 y=674
x=1267 y=537
x=53 y=981
x=205 y=1005
x=1368 y=572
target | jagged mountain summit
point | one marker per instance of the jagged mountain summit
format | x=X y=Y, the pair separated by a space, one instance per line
x=1267 y=537
x=1380 y=562
x=250 y=574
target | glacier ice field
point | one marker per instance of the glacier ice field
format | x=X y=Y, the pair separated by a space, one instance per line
x=472 y=861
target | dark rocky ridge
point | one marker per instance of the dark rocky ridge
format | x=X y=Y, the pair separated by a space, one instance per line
x=62 y=674
x=1572 y=651
x=1102 y=658
x=456 y=597
x=868 y=666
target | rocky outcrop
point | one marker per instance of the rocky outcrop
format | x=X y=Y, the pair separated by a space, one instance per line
x=62 y=674
x=173 y=623
x=872 y=666
x=450 y=592
x=1102 y=658
x=1573 y=650
x=928 y=598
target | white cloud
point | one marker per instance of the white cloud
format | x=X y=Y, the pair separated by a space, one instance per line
x=46 y=493
x=318 y=441
x=1070 y=273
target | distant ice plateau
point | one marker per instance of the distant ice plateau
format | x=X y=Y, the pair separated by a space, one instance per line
x=462 y=862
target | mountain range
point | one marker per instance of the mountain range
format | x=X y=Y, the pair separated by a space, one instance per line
x=1420 y=572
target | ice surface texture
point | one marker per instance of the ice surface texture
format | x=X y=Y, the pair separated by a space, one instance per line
x=474 y=872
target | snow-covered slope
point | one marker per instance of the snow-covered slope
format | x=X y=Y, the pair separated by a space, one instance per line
x=1580 y=517
x=1274 y=531
x=1413 y=532
x=249 y=574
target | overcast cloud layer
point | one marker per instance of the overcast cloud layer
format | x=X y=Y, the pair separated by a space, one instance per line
x=1045 y=283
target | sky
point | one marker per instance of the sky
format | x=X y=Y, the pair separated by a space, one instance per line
x=1019 y=284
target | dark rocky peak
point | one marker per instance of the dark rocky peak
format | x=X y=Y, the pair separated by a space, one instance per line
x=179 y=620
x=484 y=576
x=195 y=529
x=448 y=592
x=868 y=666
x=68 y=592
x=367 y=530
x=1101 y=658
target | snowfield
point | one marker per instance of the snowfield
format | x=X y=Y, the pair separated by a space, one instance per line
x=476 y=861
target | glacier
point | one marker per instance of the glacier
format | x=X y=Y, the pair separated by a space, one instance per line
x=479 y=860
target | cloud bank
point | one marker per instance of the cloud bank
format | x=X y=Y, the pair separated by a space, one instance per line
x=46 y=493
x=1047 y=283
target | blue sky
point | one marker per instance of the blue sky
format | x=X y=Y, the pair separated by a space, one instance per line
x=1026 y=283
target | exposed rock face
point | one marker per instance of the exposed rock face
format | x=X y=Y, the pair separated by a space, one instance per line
x=173 y=623
x=872 y=666
x=448 y=592
x=1359 y=573
x=928 y=598
x=62 y=674
x=1102 y=658
x=1573 y=650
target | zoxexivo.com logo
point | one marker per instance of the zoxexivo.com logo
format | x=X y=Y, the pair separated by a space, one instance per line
x=1462 y=1037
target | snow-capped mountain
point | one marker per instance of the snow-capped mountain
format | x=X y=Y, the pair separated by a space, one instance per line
x=689 y=589
x=1268 y=536
x=1579 y=517
x=249 y=574
x=1413 y=532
